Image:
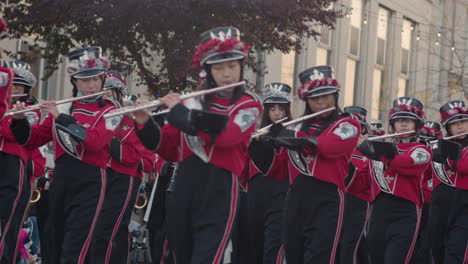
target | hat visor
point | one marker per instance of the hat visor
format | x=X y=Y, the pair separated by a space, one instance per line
x=87 y=73
x=405 y=115
x=276 y=100
x=228 y=56
x=428 y=137
x=455 y=118
x=22 y=81
x=322 y=91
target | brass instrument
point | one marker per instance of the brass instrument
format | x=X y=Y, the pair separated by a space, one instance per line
x=141 y=201
x=392 y=135
x=35 y=196
x=156 y=103
x=266 y=129
x=64 y=101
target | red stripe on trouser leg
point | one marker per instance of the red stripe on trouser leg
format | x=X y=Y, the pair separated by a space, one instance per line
x=415 y=237
x=117 y=225
x=338 y=227
x=84 y=250
x=232 y=214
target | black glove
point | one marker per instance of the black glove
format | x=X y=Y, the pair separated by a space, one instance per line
x=297 y=143
x=209 y=122
x=376 y=149
x=275 y=130
x=68 y=124
x=449 y=149
x=180 y=118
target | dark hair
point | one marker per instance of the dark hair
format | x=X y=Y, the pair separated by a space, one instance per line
x=75 y=92
x=210 y=83
x=328 y=121
x=266 y=117
x=463 y=142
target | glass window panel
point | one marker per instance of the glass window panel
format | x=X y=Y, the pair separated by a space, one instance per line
x=322 y=56
x=354 y=41
x=401 y=87
x=287 y=68
x=375 y=104
x=350 y=82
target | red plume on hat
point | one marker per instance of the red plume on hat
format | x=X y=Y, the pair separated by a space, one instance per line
x=3 y=27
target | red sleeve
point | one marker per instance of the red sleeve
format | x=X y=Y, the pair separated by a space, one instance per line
x=41 y=134
x=6 y=77
x=462 y=164
x=241 y=125
x=5 y=129
x=129 y=151
x=169 y=143
x=147 y=159
x=341 y=141
x=412 y=162
x=38 y=162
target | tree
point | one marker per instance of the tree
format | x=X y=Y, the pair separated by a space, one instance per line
x=158 y=37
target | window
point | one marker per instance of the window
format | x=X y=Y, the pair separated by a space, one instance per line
x=325 y=35
x=375 y=105
x=287 y=68
x=322 y=56
x=402 y=82
x=355 y=30
x=350 y=82
x=406 y=34
x=382 y=31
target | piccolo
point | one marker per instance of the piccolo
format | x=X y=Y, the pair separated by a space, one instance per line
x=18 y=95
x=64 y=101
x=156 y=103
x=162 y=112
x=267 y=128
x=392 y=135
x=450 y=137
x=295 y=121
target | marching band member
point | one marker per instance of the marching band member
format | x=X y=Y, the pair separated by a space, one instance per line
x=397 y=202
x=6 y=77
x=31 y=167
x=357 y=198
x=454 y=117
x=81 y=138
x=319 y=156
x=422 y=254
x=210 y=146
x=110 y=242
x=266 y=196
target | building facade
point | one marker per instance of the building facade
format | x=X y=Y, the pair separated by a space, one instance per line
x=381 y=50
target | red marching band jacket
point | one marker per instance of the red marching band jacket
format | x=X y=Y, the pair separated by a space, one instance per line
x=6 y=77
x=130 y=154
x=148 y=161
x=329 y=161
x=404 y=174
x=94 y=150
x=359 y=181
x=9 y=145
x=278 y=169
x=461 y=177
x=229 y=149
